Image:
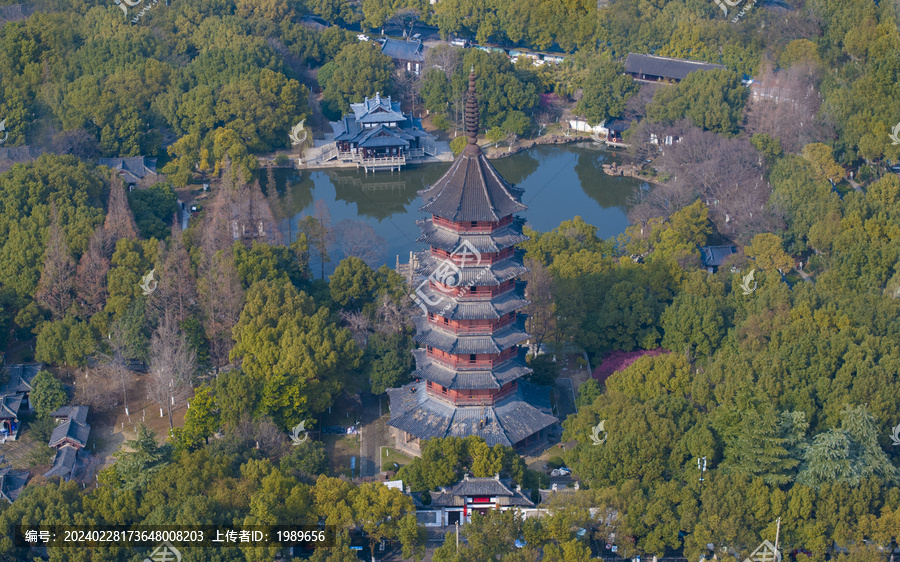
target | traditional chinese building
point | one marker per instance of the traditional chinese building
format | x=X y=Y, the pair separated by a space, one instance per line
x=378 y=135
x=470 y=496
x=470 y=365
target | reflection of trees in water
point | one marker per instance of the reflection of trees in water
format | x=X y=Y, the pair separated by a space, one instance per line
x=516 y=168
x=607 y=191
x=381 y=195
x=293 y=192
x=358 y=239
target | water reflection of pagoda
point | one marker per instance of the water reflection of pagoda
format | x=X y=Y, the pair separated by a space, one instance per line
x=470 y=364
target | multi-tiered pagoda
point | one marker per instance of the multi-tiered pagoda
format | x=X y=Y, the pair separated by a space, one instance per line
x=470 y=365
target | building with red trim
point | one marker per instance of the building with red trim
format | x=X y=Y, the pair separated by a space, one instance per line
x=469 y=364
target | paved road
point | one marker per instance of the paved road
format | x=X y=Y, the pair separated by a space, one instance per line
x=373 y=435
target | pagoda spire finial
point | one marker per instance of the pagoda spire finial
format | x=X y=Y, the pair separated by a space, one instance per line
x=472 y=110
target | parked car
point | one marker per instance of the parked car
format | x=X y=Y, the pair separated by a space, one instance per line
x=417 y=37
x=459 y=43
x=362 y=37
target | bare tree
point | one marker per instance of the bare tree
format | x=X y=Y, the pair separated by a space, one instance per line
x=318 y=231
x=96 y=389
x=77 y=142
x=356 y=238
x=90 y=277
x=221 y=297
x=172 y=363
x=358 y=324
x=119 y=219
x=394 y=316
x=57 y=284
x=541 y=308
x=785 y=105
x=445 y=57
x=176 y=291
x=408 y=85
x=726 y=173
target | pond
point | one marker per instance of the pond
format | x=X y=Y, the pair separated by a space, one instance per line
x=560 y=182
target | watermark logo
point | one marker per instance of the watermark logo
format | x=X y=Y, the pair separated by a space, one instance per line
x=895 y=134
x=595 y=433
x=125 y=4
x=448 y=276
x=3 y=130
x=298 y=429
x=164 y=553
x=148 y=283
x=746 y=284
x=725 y=4
x=295 y=133
x=895 y=436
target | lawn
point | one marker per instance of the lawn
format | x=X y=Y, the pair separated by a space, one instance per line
x=390 y=456
x=340 y=449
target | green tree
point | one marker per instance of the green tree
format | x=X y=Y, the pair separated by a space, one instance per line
x=301 y=357
x=820 y=156
x=694 y=324
x=759 y=448
x=606 y=89
x=353 y=283
x=389 y=361
x=849 y=454
x=768 y=254
x=47 y=394
x=201 y=419
x=712 y=99
x=154 y=210
x=68 y=341
x=360 y=70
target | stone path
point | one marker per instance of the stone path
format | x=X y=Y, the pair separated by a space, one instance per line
x=855 y=185
x=804 y=275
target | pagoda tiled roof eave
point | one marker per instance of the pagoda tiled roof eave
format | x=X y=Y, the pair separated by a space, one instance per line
x=456 y=379
x=497 y=272
x=499 y=341
x=449 y=241
x=472 y=190
x=507 y=422
x=493 y=309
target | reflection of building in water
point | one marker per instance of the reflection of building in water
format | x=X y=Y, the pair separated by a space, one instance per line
x=367 y=185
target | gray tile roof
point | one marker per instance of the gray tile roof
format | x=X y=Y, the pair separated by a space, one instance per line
x=671 y=68
x=12 y=482
x=472 y=190
x=20 y=377
x=449 y=241
x=379 y=110
x=9 y=406
x=70 y=431
x=482 y=275
x=507 y=422
x=64 y=463
x=472 y=310
x=465 y=380
x=412 y=51
x=471 y=486
x=137 y=167
x=77 y=413
x=713 y=256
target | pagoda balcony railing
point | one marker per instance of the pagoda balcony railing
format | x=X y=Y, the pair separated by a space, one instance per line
x=475 y=400
x=464 y=364
x=477 y=330
x=466 y=229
